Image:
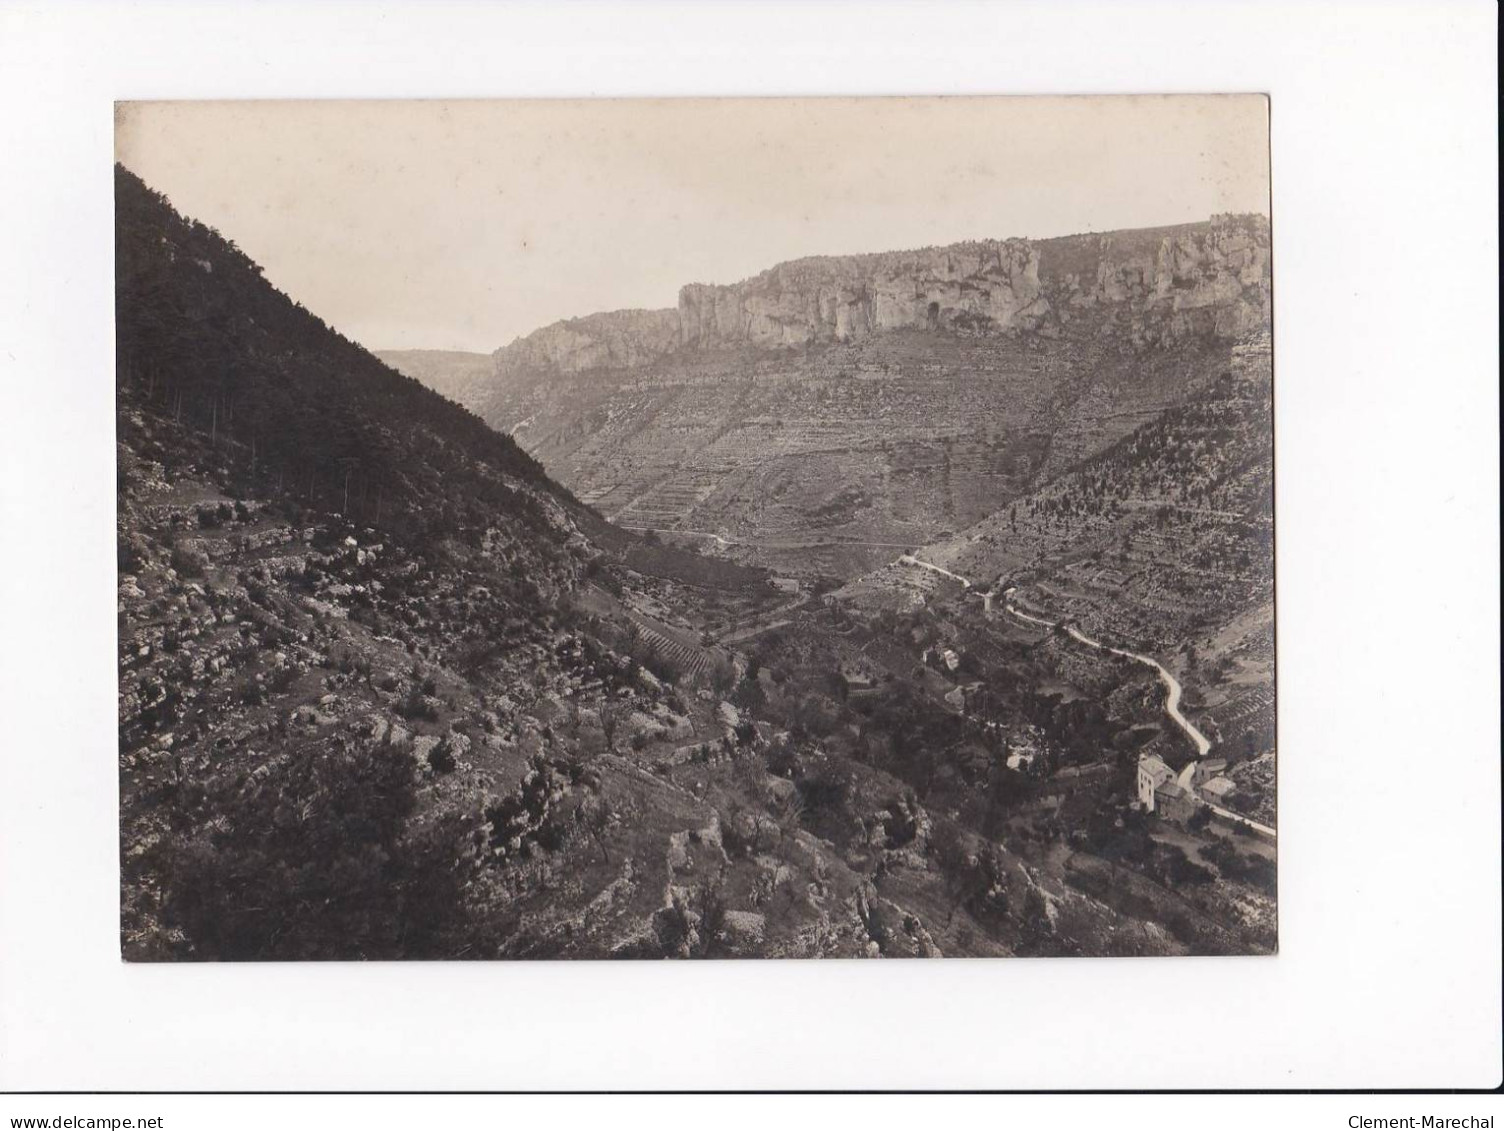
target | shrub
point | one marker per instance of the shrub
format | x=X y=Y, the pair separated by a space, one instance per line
x=527 y=819
x=1250 y=869
x=441 y=759
x=313 y=862
x=129 y=555
x=825 y=789
x=418 y=706
x=189 y=559
x=783 y=759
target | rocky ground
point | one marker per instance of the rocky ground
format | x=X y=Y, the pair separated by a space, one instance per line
x=388 y=692
x=572 y=801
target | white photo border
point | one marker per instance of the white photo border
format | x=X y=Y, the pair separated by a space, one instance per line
x=1385 y=182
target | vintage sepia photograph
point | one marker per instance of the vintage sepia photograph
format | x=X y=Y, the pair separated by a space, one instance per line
x=697 y=528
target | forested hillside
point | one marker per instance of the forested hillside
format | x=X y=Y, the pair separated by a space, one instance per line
x=304 y=535
x=295 y=405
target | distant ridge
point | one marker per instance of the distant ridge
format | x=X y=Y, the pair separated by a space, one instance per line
x=1004 y=286
x=450 y=373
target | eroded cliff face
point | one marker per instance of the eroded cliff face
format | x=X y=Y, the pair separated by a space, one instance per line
x=828 y=410
x=1150 y=286
x=987 y=285
x=1211 y=280
x=613 y=340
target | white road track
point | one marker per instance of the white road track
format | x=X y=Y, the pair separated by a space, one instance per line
x=1172 y=700
x=910 y=559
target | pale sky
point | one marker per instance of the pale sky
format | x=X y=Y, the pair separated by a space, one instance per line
x=463 y=225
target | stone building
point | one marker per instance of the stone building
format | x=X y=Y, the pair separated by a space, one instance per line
x=1159 y=792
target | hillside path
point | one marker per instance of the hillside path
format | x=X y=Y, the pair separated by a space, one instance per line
x=1172 y=701
x=910 y=559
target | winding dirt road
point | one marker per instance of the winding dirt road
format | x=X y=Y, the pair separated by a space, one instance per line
x=1172 y=701
x=1172 y=708
x=910 y=559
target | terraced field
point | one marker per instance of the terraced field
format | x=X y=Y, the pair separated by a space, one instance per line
x=691 y=659
x=900 y=439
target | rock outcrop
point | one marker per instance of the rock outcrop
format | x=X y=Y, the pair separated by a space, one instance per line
x=828 y=409
x=616 y=339
x=991 y=284
x=1208 y=279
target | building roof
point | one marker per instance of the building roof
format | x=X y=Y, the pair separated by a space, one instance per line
x=1155 y=769
x=1219 y=787
x=1169 y=789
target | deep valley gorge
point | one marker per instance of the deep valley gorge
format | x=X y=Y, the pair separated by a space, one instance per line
x=828 y=409
x=907 y=604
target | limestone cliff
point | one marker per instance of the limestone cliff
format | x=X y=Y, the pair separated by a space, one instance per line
x=1153 y=285
x=612 y=340
x=990 y=284
x=1199 y=280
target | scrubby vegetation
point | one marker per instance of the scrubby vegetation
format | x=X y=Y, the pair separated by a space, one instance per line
x=387 y=691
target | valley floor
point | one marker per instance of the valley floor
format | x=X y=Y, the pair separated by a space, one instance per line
x=724 y=794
